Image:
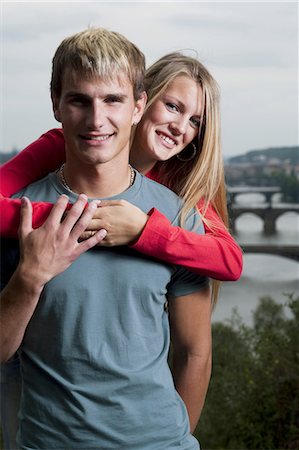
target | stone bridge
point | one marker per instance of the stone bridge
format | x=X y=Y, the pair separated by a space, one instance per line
x=269 y=214
x=266 y=191
x=287 y=251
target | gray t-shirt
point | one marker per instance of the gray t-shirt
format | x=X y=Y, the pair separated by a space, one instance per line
x=94 y=355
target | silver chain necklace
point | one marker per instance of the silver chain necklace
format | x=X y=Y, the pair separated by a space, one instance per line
x=63 y=180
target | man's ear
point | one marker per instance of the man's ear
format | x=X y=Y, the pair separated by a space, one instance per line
x=139 y=108
x=55 y=107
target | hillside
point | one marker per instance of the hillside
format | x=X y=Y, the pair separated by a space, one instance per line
x=284 y=154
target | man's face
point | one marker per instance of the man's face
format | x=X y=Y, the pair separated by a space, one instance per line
x=97 y=117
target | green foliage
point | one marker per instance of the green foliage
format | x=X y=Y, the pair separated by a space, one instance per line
x=289 y=186
x=253 y=398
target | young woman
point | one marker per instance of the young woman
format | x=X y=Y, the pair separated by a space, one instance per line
x=177 y=143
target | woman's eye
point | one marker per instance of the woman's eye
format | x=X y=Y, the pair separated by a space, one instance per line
x=195 y=122
x=172 y=107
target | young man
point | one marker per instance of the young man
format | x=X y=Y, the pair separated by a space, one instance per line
x=91 y=324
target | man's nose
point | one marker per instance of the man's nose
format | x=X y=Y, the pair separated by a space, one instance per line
x=96 y=116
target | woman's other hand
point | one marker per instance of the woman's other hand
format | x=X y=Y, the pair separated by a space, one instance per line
x=122 y=221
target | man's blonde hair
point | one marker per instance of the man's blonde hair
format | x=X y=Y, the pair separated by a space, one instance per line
x=97 y=52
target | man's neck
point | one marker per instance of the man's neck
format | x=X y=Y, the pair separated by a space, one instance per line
x=100 y=181
x=139 y=160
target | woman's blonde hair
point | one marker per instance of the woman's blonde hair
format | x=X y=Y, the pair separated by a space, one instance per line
x=98 y=52
x=200 y=179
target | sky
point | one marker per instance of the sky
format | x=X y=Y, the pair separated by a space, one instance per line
x=251 y=48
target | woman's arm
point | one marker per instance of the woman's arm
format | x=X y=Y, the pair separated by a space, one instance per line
x=38 y=159
x=10 y=215
x=214 y=254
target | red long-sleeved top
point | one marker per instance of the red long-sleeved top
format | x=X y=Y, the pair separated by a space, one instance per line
x=215 y=254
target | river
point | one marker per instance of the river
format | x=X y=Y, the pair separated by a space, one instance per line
x=263 y=275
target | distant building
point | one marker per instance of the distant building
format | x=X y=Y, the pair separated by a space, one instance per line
x=256 y=166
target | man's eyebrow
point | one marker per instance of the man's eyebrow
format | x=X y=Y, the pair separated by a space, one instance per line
x=114 y=95
x=76 y=94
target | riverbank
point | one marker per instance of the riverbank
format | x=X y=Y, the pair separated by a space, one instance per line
x=263 y=275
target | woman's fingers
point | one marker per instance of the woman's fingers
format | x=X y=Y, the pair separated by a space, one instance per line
x=95 y=238
x=83 y=222
x=89 y=233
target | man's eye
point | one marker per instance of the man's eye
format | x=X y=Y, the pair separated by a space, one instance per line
x=172 y=107
x=81 y=101
x=113 y=99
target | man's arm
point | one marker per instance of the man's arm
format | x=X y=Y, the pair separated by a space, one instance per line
x=190 y=323
x=44 y=253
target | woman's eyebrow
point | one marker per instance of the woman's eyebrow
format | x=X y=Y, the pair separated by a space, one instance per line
x=175 y=100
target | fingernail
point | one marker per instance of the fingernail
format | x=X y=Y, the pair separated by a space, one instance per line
x=103 y=233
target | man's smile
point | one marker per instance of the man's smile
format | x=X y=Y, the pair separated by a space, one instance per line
x=98 y=138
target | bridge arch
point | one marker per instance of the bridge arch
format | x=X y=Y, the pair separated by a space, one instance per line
x=288 y=212
x=266 y=191
x=246 y=198
x=257 y=224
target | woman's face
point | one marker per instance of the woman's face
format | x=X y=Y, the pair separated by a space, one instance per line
x=172 y=121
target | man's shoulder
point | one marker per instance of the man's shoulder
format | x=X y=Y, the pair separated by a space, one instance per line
x=155 y=195
x=157 y=188
x=44 y=189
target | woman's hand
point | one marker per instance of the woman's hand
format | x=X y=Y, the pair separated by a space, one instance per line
x=123 y=222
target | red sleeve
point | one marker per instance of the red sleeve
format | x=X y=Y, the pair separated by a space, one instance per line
x=10 y=215
x=214 y=254
x=38 y=159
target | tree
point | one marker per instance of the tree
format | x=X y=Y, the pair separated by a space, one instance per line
x=289 y=186
x=253 y=396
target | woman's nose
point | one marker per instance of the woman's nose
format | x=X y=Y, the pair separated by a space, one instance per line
x=179 y=126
